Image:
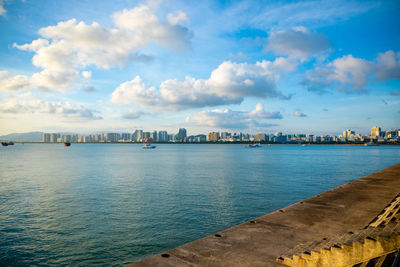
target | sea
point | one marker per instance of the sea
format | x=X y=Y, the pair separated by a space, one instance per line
x=113 y=204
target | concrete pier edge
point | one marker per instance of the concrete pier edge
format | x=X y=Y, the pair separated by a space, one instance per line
x=260 y=242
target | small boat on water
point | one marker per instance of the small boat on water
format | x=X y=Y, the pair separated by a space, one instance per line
x=370 y=144
x=4 y=143
x=10 y=143
x=148 y=146
x=253 y=145
x=67 y=144
x=304 y=145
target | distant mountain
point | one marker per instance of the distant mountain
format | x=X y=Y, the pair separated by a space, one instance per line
x=29 y=137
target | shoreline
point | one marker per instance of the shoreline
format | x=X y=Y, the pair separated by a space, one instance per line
x=203 y=143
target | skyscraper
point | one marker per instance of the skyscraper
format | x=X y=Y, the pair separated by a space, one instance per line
x=162 y=136
x=181 y=134
x=46 y=138
x=375 y=131
x=154 y=136
x=137 y=135
x=213 y=137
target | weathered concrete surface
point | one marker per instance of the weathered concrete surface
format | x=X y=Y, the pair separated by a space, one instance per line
x=328 y=215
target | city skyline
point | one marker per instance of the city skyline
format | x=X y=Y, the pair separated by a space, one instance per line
x=294 y=67
x=140 y=136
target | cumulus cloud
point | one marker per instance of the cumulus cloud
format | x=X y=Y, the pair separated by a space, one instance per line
x=133 y=114
x=352 y=74
x=230 y=83
x=388 y=66
x=347 y=73
x=299 y=114
x=230 y=119
x=297 y=42
x=63 y=109
x=70 y=46
x=179 y=16
x=13 y=83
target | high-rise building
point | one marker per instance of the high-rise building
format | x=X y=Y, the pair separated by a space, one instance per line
x=111 y=137
x=126 y=136
x=223 y=135
x=375 y=131
x=74 y=138
x=146 y=136
x=137 y=136
x=66 y=138
x=162 y=136
x=153 y=136
x=200 y=138
x=348 y=134
x=213 y=137
x=54 y=137
x=181 y=134
x=261 y=137
x=46 y=138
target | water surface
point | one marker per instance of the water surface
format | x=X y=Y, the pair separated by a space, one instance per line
x=111 y=204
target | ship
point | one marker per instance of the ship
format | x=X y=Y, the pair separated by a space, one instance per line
x=67 y=144
x=148 y=146
x=253 y=145
x=371 y=144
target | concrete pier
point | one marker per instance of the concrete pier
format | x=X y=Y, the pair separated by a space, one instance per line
x=346 y=222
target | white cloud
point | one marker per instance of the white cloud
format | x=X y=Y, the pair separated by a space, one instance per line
x=2 y=10
x=63 y=109
x=135 y=91
x=388 y=66
x=299 y=114
x=297 y=42
x=179 y=16
x=229 y=119
x=230 y=83
x=58 y=80
x=34 y=46
x=133 y=114
x=352 y=74
x=86 y=74
x=70 y=46
x=13 y=83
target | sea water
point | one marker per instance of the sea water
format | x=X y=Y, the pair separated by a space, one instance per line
x=112 y=204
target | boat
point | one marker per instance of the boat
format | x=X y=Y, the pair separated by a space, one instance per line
x=4 y=143
x=10 y=143
x=304 y=145
x=253 y=145
x=148 y=146
x=370 y=144
x=67 y=144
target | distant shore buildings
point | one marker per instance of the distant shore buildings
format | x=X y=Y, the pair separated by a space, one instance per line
x=139 y=136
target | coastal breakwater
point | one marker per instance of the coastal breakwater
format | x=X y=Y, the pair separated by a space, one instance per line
x=352 y=225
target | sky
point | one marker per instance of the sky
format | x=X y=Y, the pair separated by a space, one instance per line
x=85 y=66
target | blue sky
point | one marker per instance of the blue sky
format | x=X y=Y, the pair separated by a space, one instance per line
x=253 y=66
